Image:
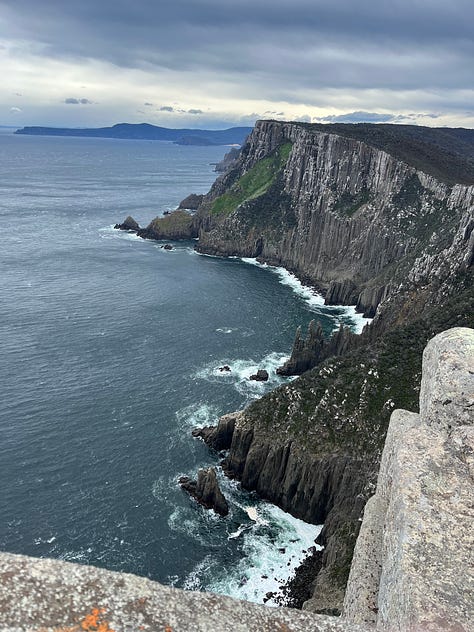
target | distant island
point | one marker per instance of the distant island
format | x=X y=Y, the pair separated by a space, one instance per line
x=145 y=131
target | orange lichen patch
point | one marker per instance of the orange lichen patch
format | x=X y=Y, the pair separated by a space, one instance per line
x=168 y=629
x=92 y=622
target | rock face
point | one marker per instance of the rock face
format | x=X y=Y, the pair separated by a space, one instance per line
x=128 y=224
x=413 y=566
x=342 y=213
x=52 y=595
x=311 y=351
x=326 y=489
x=229 y=161
x=192 y=202
x=206 y=490
x=220 y=437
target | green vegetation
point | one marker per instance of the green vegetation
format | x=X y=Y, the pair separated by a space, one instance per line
x=344 y=405
x=254 y=183
x=348 y=204
x=445 y=153
x=176 y=225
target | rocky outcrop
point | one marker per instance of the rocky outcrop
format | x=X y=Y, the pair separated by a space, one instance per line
x=260 y=376
x=191 y=202
x=54 y=596
x=319 y=488
x=229 y=161
x=176 y=225
x=206 y=490
x=220 y=437
x=128 y=224
x=310 y=351
x=413 y=562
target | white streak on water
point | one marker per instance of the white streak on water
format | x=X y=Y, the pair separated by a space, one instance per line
x=314 y=300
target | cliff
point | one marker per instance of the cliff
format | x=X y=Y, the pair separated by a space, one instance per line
x=379 y=216
x=412 y=568
x=337 y=208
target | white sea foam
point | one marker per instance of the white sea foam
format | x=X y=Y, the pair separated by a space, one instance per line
x=110 y=231
x=313 y=299
x=196 y=416
x=241 y=370
x=273 y=546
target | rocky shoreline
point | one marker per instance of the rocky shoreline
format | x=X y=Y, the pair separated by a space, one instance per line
x=356 y=215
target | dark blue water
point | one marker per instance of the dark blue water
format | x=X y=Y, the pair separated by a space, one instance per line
x=109 y=356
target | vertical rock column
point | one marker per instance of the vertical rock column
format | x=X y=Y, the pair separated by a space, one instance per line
x=413 y=566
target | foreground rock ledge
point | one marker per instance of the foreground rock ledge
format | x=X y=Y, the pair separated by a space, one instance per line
x=43 y=595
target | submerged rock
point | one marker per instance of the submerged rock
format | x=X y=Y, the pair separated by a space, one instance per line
x=206 y=490
x=167 y=247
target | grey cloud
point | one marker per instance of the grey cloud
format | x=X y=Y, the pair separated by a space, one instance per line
x=359 y=117
x=148 y=104
x=194 y=111
x=317 y=42
x=375 y=117
x=290 y=52
x=166 y=108
x=74 y=101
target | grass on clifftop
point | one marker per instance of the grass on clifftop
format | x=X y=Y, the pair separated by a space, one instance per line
x=254 y=183
x=175 y=221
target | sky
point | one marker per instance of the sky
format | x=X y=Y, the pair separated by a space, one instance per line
x=219 y=63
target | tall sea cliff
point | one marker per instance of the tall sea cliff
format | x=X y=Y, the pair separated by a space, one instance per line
x=377 y=216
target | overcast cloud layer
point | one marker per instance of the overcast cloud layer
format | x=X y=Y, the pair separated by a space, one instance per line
x=213 y=63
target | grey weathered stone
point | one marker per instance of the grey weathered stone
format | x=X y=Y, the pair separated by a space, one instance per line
x=447 y=393
x=420 y=572
x=42 y=595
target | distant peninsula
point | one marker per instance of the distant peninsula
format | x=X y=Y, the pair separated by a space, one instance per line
x=145 y=131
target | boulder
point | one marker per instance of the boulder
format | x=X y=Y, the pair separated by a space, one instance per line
x=167 y=247
x=128 y=224
x=260 y=376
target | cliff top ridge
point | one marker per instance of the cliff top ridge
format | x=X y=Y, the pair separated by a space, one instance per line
x=443 y=152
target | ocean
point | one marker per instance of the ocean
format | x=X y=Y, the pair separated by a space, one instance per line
x=110 y=351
